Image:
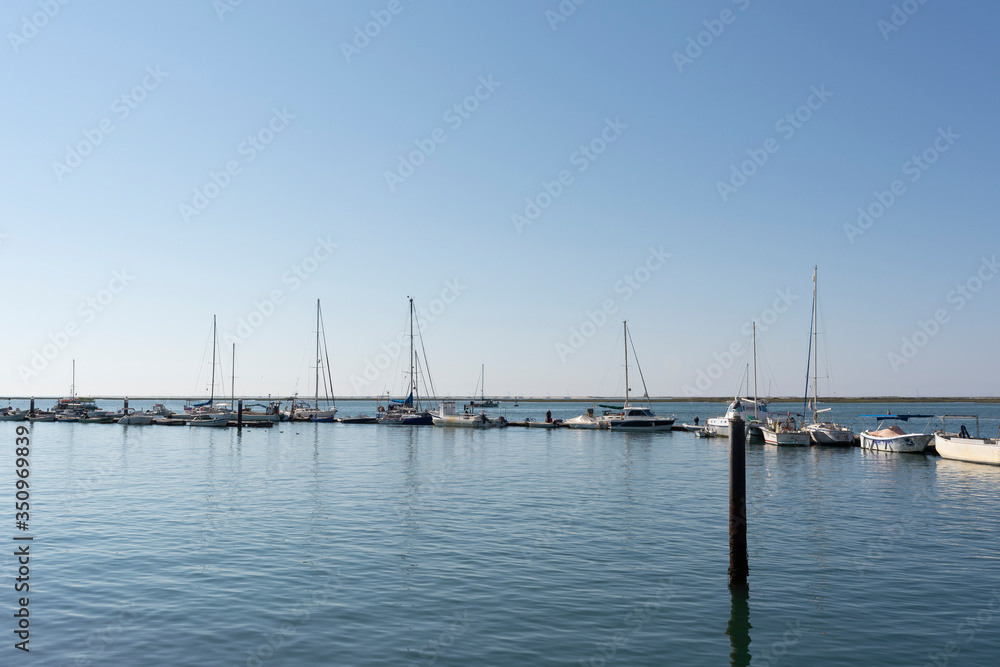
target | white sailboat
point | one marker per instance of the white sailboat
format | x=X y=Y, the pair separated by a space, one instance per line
x=821 y=432
x=750 y=410
x=301 y=411
x=406 y=411
x=635 y=417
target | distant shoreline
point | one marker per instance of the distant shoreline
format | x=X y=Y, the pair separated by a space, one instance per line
x=550 y=399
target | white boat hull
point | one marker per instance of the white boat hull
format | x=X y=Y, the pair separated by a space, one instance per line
x=912 y=443
x=830 y=434
x=136 y=420
x=13 y=417
x=211 y=421
x=789 y=438
x=973 y=450
x=465 y=421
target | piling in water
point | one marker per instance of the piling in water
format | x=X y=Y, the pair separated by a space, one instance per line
x=738 y=566
x=239 y=414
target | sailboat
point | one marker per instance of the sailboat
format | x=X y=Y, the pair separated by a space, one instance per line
x=635 y=417
x=821 y=432
x=207 y=413
x=406 y=411
x=483 y=402
x=301 y=411
x=748 y=409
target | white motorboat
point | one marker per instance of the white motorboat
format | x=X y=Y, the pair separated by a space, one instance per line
x=746 y=409
x=892 y=438
x=821 y=432
x=135 y=418
x=41 y=416
x=634 y=417
x=705 y=432
x=447 y=416
x=962 y=446
x=784 y=431
x=585 y=421
x=13 y=415
x=531 y=422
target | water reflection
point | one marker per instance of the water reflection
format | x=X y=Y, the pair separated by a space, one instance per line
x=739 y=626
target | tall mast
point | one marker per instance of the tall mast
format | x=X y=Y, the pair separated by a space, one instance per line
x=317 y=355
x=755 y=370
x=413 y=383
x=815 y=347
x=482 y=387
x=72 y=386
x=812 y=323
x=215 y=344
x=232 y=390
x=625 y=329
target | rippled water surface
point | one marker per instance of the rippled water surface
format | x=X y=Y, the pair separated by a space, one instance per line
x=330 y=544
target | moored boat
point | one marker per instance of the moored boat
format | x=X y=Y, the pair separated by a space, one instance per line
x=893 y=438
x=585 y=421
x=407 y=411
x=10 y=414
x=208 y=420
x=634 y=417
x=448 y=416
x=784 y=431
x=962 y=446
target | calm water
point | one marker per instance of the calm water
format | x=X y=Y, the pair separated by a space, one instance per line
x=326 y=544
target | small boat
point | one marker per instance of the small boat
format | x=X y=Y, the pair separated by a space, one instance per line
x=169 y=421
x=746 y=408
x=585 y=421
x=892 y=438
x=693 y=428
x=447 y=416
x=962 y=446
x=784 y=432
x=41 y=416
x=483 y=402
x=634 y=417
x=209 y=420
x=705 y=432
x=531 y=422
x=360 y=419
x=134 y=418
x=96 y=419
x=10 y=414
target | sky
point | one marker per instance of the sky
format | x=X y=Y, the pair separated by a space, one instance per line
x=531 y=173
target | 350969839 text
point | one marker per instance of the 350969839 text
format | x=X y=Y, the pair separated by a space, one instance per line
x=22 y=543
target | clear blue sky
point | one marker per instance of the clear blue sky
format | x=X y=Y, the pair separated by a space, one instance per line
x=116 y=112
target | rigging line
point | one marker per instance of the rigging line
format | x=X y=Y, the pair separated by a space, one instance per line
x=427 y=366
x=644 y=392
x=326 y=355
x=201 y=369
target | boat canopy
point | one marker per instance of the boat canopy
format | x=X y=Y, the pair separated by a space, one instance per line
x=407 y=401
x=612 y=407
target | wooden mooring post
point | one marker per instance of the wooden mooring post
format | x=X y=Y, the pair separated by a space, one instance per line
x=738 y=566
x=239 y=414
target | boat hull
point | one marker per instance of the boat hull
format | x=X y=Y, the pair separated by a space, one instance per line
x=217 y=422
x=821 y=434
x=464 y=421
x=789 y=438
x=136 y=420
x=411 y=419
x=910 y=443
x=972 y=450
x=641 y=425
x=13 y=417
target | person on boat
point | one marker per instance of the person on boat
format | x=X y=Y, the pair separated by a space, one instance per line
x=695 y=421
x=548 y=416
x=963 y=433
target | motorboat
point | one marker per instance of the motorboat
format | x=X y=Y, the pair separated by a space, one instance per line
x=784 y=431
x=585 y=421
x=448 y=416
x=135 y=418
x=893 y=438
x=208 y=420
x=531 y=422
x=747 y=409
x=359 y=419
x=10 y=414
x=962 y=446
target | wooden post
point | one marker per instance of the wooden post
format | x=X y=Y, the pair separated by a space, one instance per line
x=31 y=411
x=125 y=409
x=738 y=566
x=239 y=414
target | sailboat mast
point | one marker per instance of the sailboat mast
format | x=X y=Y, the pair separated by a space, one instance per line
x=72 y=386
x=413 y=383
x=815 y=347
x=215 y=344
x=625 y=329
x=316 y=400
x=232 y=389
x=482 y=387
x=755 y=370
